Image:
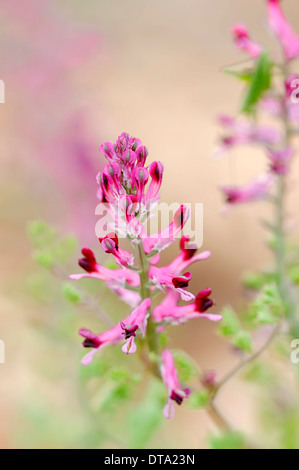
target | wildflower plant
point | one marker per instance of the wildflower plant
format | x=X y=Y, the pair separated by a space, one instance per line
x=128 y=188
x=158 y=296
x=269 y=121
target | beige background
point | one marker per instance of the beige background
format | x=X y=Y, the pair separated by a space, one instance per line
x=159 y=78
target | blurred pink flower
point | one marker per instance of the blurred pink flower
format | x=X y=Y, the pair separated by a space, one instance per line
x=280 y=160
x=175 y=392
x=243 y=133
x=255 y=190
x=288 y=38
x=243 y=41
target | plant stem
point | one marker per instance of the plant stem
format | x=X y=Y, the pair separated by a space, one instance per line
x=280 y=255
x=145 y=292
x=246 y=361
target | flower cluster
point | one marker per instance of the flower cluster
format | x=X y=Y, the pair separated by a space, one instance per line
x=271 y=139
x=128 y=187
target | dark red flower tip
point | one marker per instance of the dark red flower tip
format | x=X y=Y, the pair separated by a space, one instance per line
x=181 y=216
x=129 y=330
x=202 y=300
x=156 y=171
x=181 y=281
x=189 y=250
x=91 y=340
x=88 y=263
x=179 y=395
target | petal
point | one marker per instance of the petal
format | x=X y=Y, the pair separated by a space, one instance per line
x=129 y=347
x=168 y=410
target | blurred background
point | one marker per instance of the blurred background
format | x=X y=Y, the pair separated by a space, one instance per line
x=78 y=74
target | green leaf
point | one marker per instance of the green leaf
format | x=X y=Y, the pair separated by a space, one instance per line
x=64 y=248
x=71 y=293
x=44 y=258
x=256 y=281
x=40 y=233
x=97 y=368
x=241 y=75
x=242 y=340
x=230 y=323
x=113 y=395
x=198 y=399
x=163 y=340
x=294 y=274
x=147 y=417
x=259 y=373
x=186 y=367
x=266 y=307
x=228 y=440
x=260 y=82
x=120 y=375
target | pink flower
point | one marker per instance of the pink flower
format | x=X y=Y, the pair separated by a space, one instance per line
x=276 y=107
x=209 y=379
x=288 y=38
x=161 y=278
x=110 y=245
x=161 y=240
x=173 y=275
x=126 y=329
x=280 y=160
x=243 y=41
x=175 y=392
x=187 y=256
x=116 y=279
x=169 y=312
x=292 y=106
x=253 y=191
x=125 y=172
x=244 y=132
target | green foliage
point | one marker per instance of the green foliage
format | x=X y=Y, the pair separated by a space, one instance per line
x=40 y=233
x=97 y=368
x=244 y=76
x=294 y=274
x=113 y=395
x=266 y=307
x=281 y=414
x=147 y=416
x=120 y=375
x=71 y=293
x=44 y=258
x=198 y=399
x=51 y=248
x=258 y=84
x=260 y=373
x=186 y=367
x=228 y=440
x=242 y=340
x=230 y=323
x=256 y=281
x=163 y=340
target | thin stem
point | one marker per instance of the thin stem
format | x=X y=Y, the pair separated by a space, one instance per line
x=280 y=255
x=217 y=417
x=145 y=293
x=246 y=361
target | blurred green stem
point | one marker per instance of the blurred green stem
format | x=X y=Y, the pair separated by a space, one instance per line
x=151 y=336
